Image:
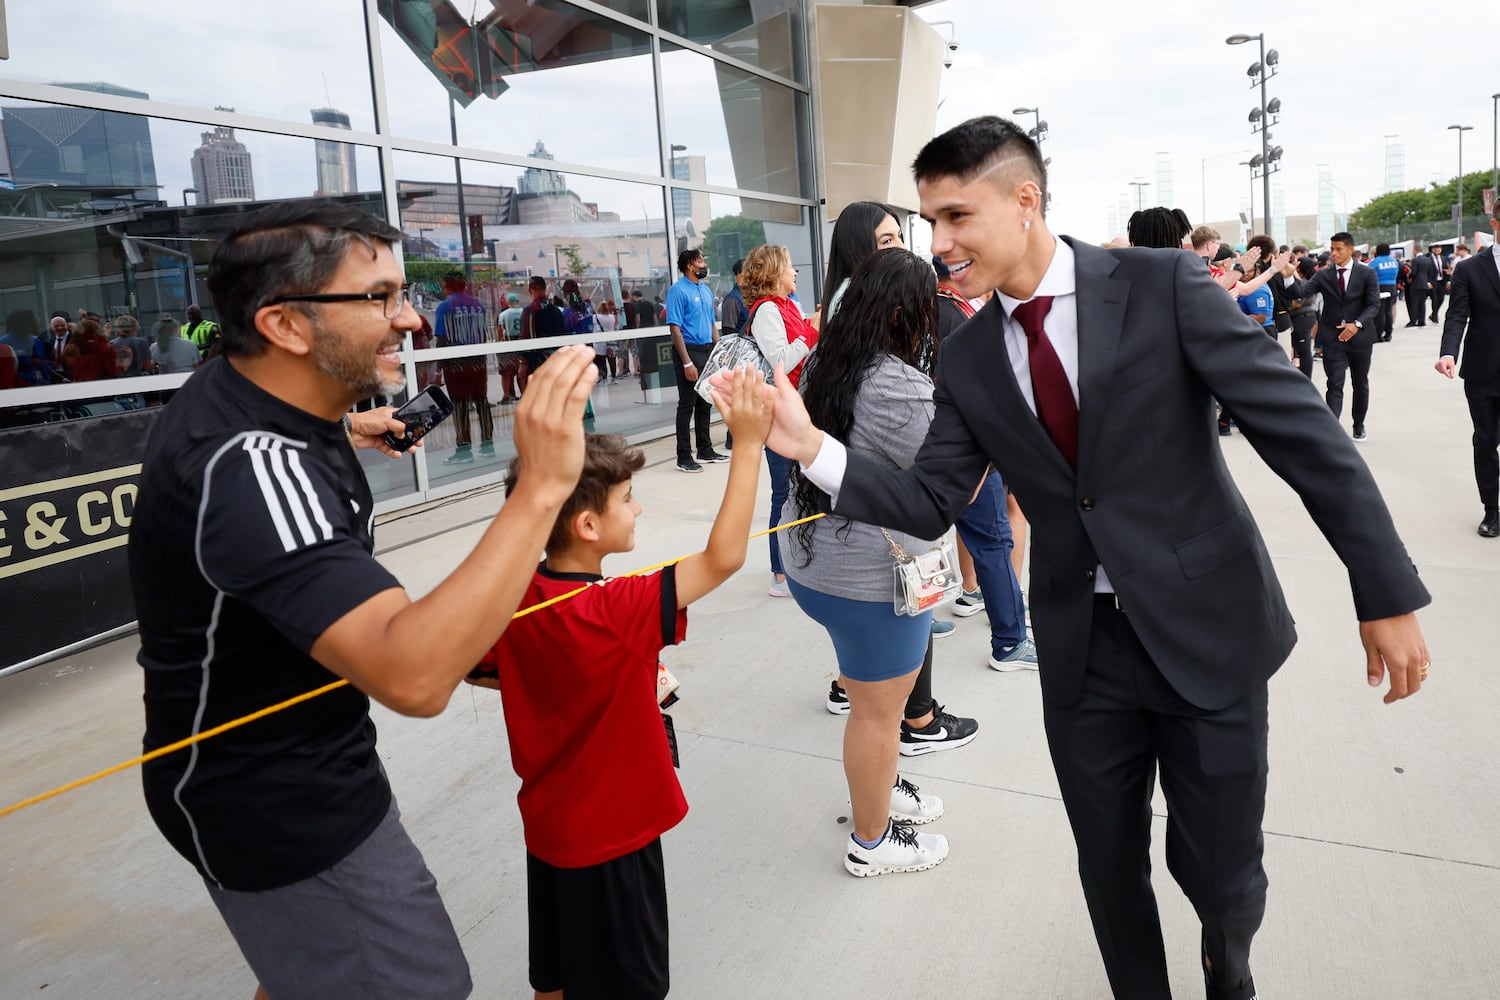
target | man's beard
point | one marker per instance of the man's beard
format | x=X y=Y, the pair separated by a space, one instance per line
x=356 y=370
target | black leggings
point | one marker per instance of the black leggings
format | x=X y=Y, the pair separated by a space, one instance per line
x=920 y=701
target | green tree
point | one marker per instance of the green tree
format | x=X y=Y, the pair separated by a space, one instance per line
x=1433 y=203
x=576 y=267
x=752 y=233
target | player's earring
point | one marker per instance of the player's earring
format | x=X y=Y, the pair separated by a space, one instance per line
x=1026 y=226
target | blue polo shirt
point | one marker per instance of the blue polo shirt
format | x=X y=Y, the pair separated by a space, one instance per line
x=690 y=307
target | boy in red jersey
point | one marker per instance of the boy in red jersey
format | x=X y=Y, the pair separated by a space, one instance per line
x=579 y=683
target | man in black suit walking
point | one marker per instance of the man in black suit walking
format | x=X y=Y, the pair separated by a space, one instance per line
x=1475 y=306
x=1088 y=383
x=1439 y=281
x=1351 y=298
x=1419 y=287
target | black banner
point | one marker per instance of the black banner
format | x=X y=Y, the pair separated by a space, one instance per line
x=67 y=495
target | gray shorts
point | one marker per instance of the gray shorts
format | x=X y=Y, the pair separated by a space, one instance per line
x=371 y=927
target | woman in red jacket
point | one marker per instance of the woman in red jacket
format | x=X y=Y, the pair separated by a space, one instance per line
x=784 y=338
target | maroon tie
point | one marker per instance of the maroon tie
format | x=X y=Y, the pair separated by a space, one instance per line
x=1342 y=289
x=1055 y=407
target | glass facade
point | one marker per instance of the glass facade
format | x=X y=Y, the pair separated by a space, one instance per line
x=588 y=140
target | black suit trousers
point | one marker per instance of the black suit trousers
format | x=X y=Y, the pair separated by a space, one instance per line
x=1484 y=411
x=693 y=411
x=1106 y=748
x=1439 y=289
x=1338 y=359
x=1416 y=306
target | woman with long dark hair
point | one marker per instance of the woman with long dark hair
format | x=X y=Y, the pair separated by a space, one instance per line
x=862 y=386
x=862 y=228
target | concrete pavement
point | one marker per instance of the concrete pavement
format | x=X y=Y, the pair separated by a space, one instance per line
x=1382 y=822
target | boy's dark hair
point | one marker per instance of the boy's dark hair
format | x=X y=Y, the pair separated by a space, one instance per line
x=608 y=461
x=1383 y=250
x=1267 y=247
x=977 y=146
x=739 y=266
x=1306 y=268
x=292 y=248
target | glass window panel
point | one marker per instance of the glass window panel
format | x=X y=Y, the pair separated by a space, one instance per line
x=761 y=33
x=553 y=81
x=114 y=230
x=731 y=128
x=278 y=58
x=739 y=225
x=515 y=224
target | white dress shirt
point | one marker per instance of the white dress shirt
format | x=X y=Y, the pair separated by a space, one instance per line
x=826 y=471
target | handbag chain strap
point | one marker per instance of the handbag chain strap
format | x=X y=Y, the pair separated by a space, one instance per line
x=897 y=551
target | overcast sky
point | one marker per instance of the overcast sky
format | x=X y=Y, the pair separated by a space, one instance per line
x=1117 y=83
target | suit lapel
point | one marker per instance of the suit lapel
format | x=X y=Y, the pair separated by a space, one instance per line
x=1488 y=267
x=1101 y=316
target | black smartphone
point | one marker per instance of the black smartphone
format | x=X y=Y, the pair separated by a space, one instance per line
x=420 y=414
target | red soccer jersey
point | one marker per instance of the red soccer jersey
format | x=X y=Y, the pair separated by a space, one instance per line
x=578 y=682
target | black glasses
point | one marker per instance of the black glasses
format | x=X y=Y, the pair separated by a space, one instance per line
x=392 y=302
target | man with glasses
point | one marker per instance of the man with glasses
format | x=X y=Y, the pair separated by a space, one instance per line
x=254 y=582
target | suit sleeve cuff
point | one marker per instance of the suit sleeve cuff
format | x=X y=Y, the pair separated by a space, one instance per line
x=826 y=471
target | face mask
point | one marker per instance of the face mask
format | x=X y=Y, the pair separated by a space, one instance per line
x=702 y=273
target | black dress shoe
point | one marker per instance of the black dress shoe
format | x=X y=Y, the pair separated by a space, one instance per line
x=1411 y=324
x=1490 y=526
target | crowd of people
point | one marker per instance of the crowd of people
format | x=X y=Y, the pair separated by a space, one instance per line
x=86 y=347
x=1013 y=370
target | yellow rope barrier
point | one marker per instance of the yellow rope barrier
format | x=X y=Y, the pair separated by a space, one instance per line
x=183 y=744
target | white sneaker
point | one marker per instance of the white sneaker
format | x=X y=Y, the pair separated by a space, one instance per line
x=902 y=850
x=779 y=588
x=909 y=807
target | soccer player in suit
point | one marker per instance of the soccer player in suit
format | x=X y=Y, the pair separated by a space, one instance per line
x=1474 y=321
x=1351 y=299
x=1158 y=617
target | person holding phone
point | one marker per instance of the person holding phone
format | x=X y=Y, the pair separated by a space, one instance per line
x=254 y=581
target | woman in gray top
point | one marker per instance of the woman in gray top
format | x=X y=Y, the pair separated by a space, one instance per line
x=862 y=387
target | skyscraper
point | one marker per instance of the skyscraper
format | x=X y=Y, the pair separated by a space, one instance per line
x=336 y=172
x=80 y=147
x=221 y=168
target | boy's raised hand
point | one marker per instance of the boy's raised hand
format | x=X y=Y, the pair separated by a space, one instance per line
x=548 y=423
x=747 y=403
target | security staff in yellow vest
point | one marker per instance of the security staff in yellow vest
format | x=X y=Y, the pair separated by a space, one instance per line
x=204 y=333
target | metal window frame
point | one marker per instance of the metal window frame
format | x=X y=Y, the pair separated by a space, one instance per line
x=386 y=145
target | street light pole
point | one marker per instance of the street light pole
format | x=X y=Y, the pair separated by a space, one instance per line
x=1264 y=119
x=1250 y=223
x=1495 y=151
x=1139 y=194
x=1459 y=212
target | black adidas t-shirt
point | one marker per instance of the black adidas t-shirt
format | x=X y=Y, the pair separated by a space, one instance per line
x=252 y=535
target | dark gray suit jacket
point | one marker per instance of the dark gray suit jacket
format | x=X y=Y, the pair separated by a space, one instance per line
x=1474 y=303
x=1152 y=500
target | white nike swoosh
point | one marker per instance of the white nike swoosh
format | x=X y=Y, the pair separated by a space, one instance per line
x=941 y=734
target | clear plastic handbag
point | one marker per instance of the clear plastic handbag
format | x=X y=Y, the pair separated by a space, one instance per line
x=926 y=580
x=731 y=352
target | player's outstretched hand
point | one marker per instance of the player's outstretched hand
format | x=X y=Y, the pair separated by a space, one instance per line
x=549 y=423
